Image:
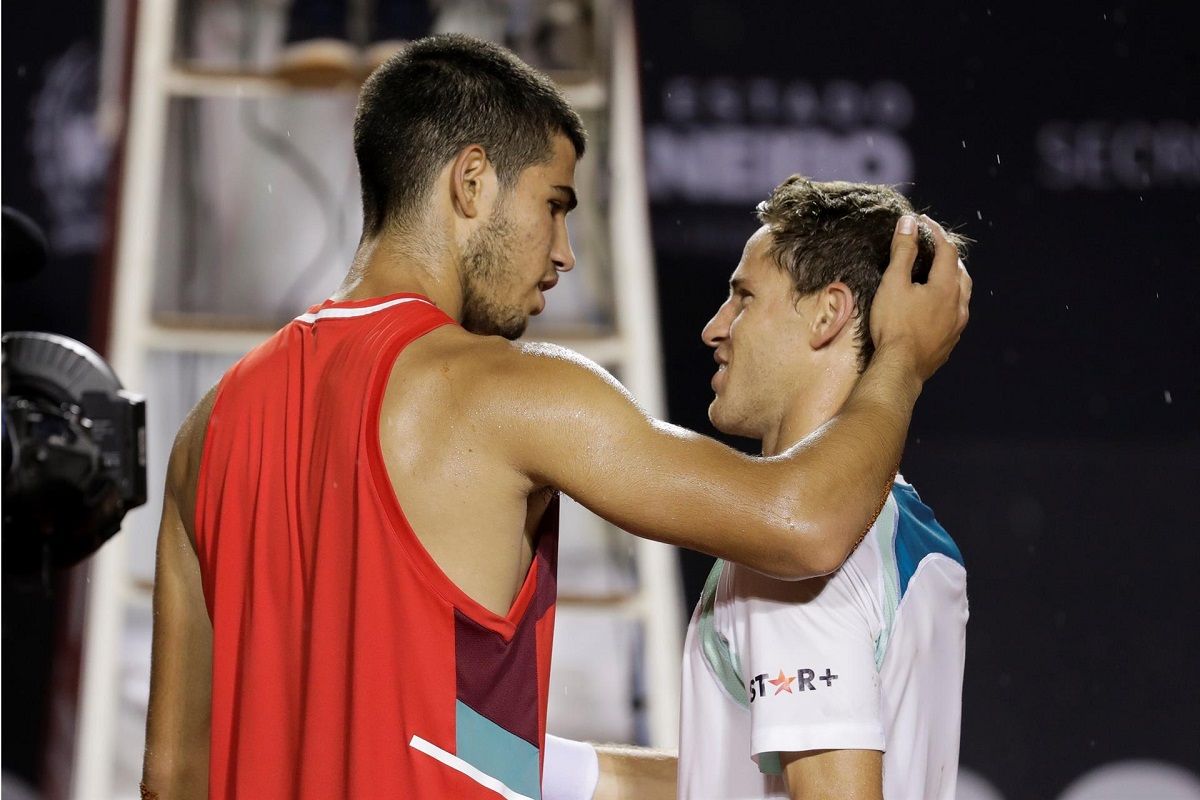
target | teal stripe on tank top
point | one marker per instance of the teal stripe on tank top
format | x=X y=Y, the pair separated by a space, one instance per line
x=490 y=749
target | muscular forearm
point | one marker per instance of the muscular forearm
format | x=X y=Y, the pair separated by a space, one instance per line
x=843 y=471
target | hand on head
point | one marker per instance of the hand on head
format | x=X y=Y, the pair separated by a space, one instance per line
x=921 y=322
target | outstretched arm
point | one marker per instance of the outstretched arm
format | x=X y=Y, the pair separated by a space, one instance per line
x=793 y=516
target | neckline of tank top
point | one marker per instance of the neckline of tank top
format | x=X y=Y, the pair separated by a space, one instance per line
x=358 y=308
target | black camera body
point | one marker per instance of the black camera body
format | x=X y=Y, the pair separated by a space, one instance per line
x=74 y=451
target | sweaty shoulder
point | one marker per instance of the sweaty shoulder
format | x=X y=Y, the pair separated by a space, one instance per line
x=494 y=373
x=524 y=404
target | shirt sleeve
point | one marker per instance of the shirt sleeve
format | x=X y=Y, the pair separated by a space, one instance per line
x=807 y=652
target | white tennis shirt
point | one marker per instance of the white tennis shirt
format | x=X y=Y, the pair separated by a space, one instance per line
x=870 y=657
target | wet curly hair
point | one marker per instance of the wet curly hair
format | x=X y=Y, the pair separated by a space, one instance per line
x=824 y=232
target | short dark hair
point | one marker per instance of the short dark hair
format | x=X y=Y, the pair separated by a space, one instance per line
x=439 y=95
x=822 y=232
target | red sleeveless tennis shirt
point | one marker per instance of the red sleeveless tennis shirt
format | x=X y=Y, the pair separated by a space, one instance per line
x=345 y=663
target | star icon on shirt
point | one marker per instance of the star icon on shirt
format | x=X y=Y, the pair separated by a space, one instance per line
x=783 y=683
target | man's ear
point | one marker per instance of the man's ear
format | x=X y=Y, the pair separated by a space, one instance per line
x=833 y=313
x=468 y=174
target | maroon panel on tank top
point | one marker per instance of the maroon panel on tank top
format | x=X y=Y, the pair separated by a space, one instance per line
x=547 y=552
x=498 y=679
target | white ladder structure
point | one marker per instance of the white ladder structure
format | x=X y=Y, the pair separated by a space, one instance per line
x=630 y=348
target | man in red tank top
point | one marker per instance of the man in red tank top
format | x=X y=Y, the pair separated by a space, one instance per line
x=355 y=584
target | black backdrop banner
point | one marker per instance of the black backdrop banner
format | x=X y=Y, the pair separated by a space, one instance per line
x=1062 y=442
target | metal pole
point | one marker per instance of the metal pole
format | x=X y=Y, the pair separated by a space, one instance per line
x=637 y=310
x=96 y=739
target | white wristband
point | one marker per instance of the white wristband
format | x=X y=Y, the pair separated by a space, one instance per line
x=570 y=770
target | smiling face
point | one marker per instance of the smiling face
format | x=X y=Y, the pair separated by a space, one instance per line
x=515 y=257
x=759 y=336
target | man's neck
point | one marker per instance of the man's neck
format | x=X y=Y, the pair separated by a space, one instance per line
x=383 y=266
x=808 y=412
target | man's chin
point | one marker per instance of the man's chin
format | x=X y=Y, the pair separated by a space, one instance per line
x=716 y=417
x=727 y=423
x=512 y=333
x=511 y=327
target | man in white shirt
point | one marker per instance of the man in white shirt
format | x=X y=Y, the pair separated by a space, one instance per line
x=847 y=686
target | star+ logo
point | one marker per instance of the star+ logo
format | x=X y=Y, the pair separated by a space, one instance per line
x=803 y=680
x=783 y=683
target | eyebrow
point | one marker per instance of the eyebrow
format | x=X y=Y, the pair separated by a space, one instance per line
x=572 y=200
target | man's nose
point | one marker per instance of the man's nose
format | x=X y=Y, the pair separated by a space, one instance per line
x=717 y=329
x=562 y=255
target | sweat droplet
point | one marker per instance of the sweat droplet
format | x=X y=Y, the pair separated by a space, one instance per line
x=1167 y=396
x=979 y=213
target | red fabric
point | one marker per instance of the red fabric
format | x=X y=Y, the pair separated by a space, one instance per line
x=333 y=628
x=545 y=638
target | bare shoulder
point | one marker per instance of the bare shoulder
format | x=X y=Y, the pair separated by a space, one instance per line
x=541 y=366
x=553 y=362
x=519 y=405
x=496 y=372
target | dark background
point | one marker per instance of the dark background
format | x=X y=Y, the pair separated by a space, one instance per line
x=1061 y=444
x=57 y=171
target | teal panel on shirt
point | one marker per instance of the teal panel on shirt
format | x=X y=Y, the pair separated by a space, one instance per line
x=490 y=749
x=908 y=533
x=770 y=764
x=918 y=535
x=720 y=658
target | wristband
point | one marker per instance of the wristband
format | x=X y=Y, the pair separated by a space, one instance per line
x=570 y=770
